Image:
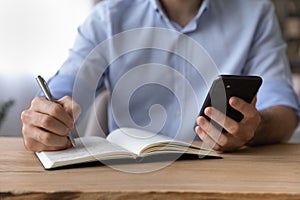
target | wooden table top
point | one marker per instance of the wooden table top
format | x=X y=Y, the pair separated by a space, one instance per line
x=268 y=172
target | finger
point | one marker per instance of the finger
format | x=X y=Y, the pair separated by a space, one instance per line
x=229 y=124
x=215 y=134
x=45 y=122
x=71 y=107
x=254 y=101
x=248 y=110
x=53 y=109
x=208 y=142
x=44 y=137
x=36 y=146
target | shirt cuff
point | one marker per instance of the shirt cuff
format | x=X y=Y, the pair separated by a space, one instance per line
x=274 y=93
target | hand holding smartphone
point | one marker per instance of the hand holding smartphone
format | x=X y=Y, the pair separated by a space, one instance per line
x=227 y=86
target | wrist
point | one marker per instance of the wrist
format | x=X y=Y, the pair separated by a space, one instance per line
x=257 y=132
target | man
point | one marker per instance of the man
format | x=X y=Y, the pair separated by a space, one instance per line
x=242 y=37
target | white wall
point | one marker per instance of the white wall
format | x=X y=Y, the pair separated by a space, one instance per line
x=35 y=36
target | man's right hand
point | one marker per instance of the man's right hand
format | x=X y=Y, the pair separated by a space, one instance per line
x=46 y=124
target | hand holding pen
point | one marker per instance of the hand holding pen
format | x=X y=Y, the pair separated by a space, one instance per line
x=48 y=122
x=45 y=89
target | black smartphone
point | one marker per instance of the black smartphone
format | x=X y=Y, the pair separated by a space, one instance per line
x=226 y=86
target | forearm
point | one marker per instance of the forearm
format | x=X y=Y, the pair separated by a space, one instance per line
x=277 y=125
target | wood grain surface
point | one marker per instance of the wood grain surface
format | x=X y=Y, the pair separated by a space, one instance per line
x=268 y=172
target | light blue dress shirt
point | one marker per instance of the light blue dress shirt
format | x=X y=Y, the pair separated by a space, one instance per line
x=241 y=37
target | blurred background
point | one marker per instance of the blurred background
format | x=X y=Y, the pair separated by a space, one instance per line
x=288 y=12
x=35 y=36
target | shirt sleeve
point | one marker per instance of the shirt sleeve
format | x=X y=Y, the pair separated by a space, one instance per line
x=267 y=58
x=92 y=32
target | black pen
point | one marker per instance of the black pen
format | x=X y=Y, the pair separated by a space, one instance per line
x=43 y=85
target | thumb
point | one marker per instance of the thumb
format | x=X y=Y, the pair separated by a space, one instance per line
x=71 y=107
x=254 y=101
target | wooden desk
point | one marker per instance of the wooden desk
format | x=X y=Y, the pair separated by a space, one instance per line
x=270 y=172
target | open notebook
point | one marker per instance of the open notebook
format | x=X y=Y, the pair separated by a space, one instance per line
x=124 y=143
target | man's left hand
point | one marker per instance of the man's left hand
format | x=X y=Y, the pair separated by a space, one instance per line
x=239 y=133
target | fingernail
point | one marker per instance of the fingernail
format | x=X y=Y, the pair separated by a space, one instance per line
x=71 y=125
x=202 y=122
x=69 y=144
x=198 y=120
x=207 y=111
x=234 y=101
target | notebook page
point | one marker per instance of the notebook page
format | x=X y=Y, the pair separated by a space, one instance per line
x=136 y=140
